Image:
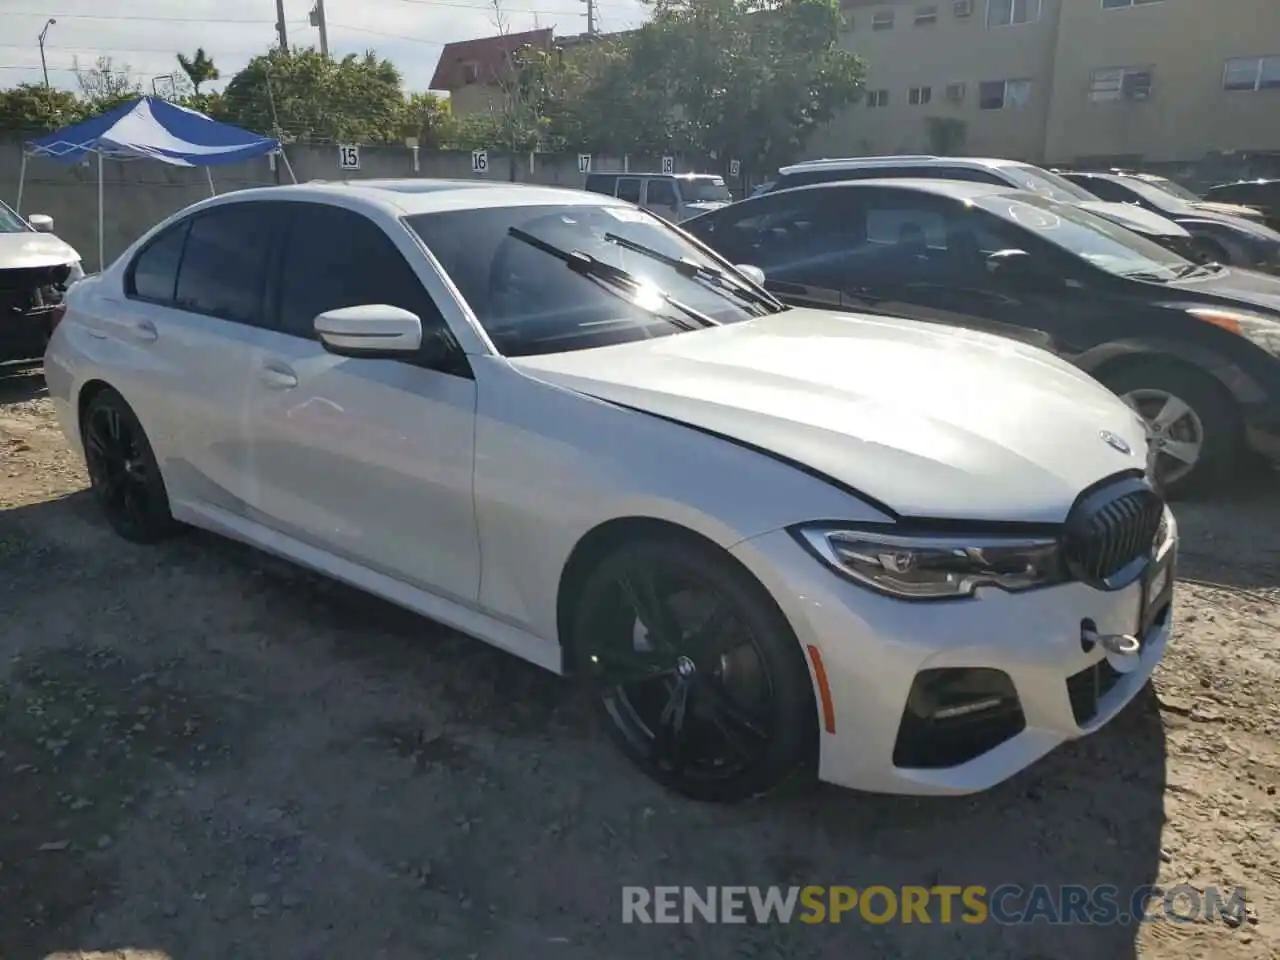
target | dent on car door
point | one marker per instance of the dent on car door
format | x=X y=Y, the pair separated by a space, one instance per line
x=368 y=459
x=197 y=309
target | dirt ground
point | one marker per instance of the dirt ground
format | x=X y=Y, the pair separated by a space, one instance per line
x=207 y=753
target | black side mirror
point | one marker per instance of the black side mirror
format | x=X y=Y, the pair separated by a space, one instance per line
x=1012 y=264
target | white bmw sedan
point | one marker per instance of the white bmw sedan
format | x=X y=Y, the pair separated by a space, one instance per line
x=916 y=557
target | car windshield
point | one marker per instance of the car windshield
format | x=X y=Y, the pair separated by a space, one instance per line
x=509 y=264
x=1104 y=244
x=1045 y=183
x=704 y=189
x=1161 y=199
x=10 y=222
x=1174 y=189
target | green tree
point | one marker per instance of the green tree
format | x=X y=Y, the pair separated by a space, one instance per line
x=199 y=69
x=744 y=79
x=301 y=95
x=33 y=106
x=105 y=85
x=426 y=117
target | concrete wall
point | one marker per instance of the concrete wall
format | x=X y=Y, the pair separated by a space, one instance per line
x=1185 y=43
x=140 y=193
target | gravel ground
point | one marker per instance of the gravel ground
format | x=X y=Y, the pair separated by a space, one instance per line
x=208 y=753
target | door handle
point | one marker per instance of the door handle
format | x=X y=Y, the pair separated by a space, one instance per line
x=278 y=377
x=145 y=331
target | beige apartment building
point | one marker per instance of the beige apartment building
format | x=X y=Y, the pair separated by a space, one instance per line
x=1063 y=81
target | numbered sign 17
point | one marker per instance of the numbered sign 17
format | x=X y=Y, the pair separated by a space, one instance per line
x=349 y=157
x=584 y=163
x=479 y=161
x=735 y=168
x=668 y=164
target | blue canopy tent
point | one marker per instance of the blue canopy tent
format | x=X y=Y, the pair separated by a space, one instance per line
x=149 y=128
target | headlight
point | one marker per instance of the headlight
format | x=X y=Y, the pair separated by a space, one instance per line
x=1263 y=331
x=942 y=567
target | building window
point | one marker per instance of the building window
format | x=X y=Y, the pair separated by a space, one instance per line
x=1003 y=94
x=919 y=96
x=1121 y=4
x=882 y=20
x=1007 y=13
x=877 y=98
x=1120 y=83
x=926 y=15
x=955 y=92
x=470 y=72
x=1252 y=73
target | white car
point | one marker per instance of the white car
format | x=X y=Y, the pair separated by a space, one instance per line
x=35 y=270
x=920 y=556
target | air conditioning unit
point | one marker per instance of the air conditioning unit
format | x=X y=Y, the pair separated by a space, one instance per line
x=963 y=8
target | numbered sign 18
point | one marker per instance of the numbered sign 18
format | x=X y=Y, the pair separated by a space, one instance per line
x=349 y=157
x=584 y=163
x=735 y=167
x=479 y=161
x=668 y=164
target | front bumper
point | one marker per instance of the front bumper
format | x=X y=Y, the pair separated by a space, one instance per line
x=872 y=649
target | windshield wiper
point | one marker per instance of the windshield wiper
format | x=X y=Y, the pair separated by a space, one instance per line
x=615 y=279
x=687 y=268
x=1197 y=269
x=1146 y=275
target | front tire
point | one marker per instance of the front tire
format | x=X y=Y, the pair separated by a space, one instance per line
x=123 y=472
x=697 y=675
x=1191 y=420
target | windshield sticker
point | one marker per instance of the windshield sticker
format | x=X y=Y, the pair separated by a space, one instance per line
x=1036 y=219
x=626 y=214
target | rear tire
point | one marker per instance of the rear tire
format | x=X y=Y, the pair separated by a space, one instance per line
x=123 y=472
x=1184 y=408
x=695 y=672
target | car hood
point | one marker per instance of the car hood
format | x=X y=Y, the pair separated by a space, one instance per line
x=1135 y=218
x=1233 y=287
x=1229 y=209
x=1250 y=227
x=704 y=206
x=932 y=421
x=26 y=249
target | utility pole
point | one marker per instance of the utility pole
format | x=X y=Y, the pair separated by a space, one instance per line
x=280 y=28
x=317 y=20
x=44 y=67
x=591 y=17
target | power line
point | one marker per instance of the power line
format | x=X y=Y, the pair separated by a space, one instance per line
x=115 y=16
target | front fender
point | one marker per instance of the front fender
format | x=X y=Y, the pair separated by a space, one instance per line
x=1237 y=382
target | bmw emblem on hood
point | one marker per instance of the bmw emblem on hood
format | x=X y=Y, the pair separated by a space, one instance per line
x=1114 y=442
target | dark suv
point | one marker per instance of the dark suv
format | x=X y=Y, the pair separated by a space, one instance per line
x=1263 y=195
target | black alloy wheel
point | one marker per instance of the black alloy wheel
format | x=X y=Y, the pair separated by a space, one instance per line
x=123 y=472
x=699 y=677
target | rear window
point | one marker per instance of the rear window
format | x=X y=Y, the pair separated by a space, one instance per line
x=600 y=183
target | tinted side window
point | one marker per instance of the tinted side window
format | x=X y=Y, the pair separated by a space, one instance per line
x=968 y=174
x=154 y=272
x=628 y=189
x=662 y=193
x=336 y=258
x=1107 y=190
x=600 y=183
x=224 y=267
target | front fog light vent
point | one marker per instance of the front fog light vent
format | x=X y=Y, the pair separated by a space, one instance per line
x=955 y=715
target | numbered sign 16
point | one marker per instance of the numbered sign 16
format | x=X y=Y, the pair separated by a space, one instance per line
x=735 y=167
x=479 y=161
x=349 y=157
x=668 y=164
x=584 y=163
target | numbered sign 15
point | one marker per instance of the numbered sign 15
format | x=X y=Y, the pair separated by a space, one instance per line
x=584 y=163
x=668 y=164
x=349 y=157
x=479 y=161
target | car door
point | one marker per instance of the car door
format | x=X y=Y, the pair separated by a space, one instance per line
x=197 y=311
x=792 y=237
x=370 y=460
x=628 y=189
x=660 y=197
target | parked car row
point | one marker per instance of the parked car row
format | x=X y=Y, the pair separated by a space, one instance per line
x=772 y=538
x=1194 y=347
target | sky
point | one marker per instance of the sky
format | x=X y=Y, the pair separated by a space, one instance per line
x=143 y=36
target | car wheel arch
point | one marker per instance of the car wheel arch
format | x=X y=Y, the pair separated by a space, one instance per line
x=606 y=537
x=1108 y=359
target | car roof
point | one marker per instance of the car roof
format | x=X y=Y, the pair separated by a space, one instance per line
x=672 y=176
x=914 y=159
x=957 y=189
x=408 y=197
